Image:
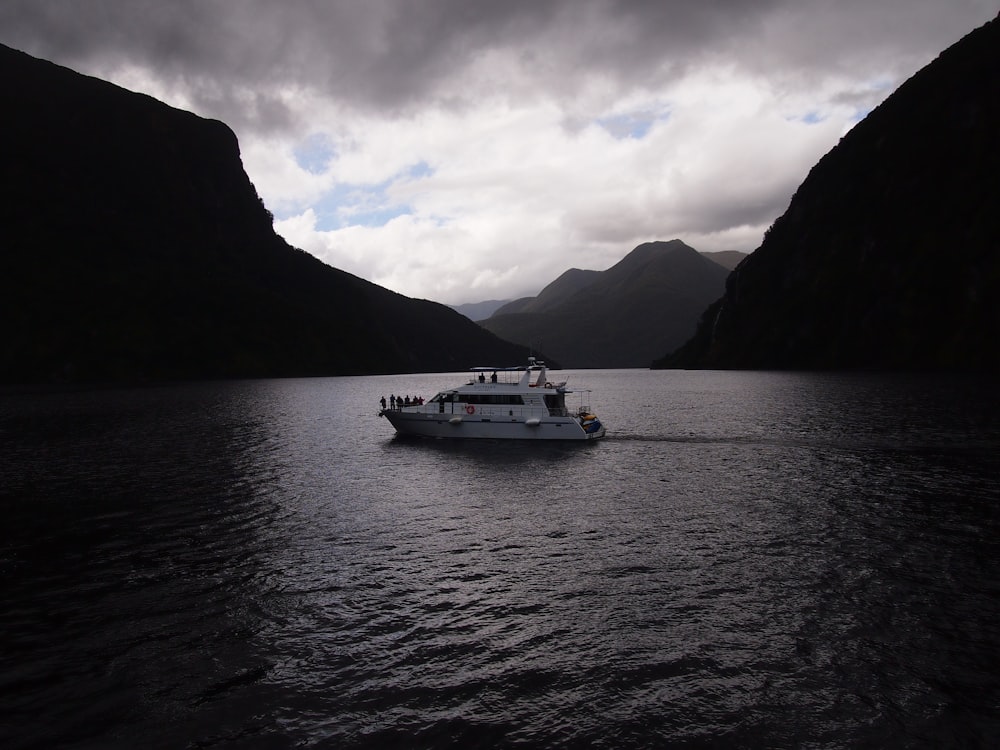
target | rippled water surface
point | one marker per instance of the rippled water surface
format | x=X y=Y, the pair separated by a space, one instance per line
x=748 y=560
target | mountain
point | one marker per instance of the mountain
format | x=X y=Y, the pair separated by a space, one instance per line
x=571 y=281
x=888 y=256
x=622 y=317
x=568 y=284
x=479 y=310
x=728 y=259
x=135 y=247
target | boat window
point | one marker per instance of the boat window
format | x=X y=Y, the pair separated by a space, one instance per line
x=502 y=399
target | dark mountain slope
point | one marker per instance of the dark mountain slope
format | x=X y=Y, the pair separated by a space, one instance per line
x=479 y=310
x=568 y=284
x=626 y=315
x=728 y=259
x=889 y=253
x=135 y=247
x=573 y=280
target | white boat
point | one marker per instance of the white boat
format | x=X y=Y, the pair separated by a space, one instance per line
x=502 y=403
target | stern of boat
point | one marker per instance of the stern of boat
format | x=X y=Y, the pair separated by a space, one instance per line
x=591 y=424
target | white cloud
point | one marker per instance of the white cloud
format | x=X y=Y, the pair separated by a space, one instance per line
x=511 y=197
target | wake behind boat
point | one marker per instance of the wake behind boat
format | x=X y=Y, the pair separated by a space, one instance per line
x=512 y=403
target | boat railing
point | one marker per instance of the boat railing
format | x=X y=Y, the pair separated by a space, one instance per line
x=486 y=410
x=499 y=411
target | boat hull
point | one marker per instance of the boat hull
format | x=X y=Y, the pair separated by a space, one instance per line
x=472 y=427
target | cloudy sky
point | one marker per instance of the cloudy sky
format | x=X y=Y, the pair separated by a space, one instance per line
x=463 y=150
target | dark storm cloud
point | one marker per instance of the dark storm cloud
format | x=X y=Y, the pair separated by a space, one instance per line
x=384 y=54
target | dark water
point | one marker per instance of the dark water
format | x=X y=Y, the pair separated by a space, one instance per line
x=748 y=560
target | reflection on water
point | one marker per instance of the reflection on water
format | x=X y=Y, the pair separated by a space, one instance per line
x=748 y=559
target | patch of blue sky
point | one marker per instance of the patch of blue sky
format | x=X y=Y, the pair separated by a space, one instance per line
x=376 y=216
x=356 y=205
x=315 y=153
x=812 y=117
x=634 y=125
x=419 y=170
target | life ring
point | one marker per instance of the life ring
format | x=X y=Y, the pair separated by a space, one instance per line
x=470 y=409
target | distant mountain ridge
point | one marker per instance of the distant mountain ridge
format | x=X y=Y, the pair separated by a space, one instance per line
x=567 y=284
x=888 y=256
x=621 y=317
x=576 y=279
x=136 y=248
x=726 y=258
x=479 y=310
